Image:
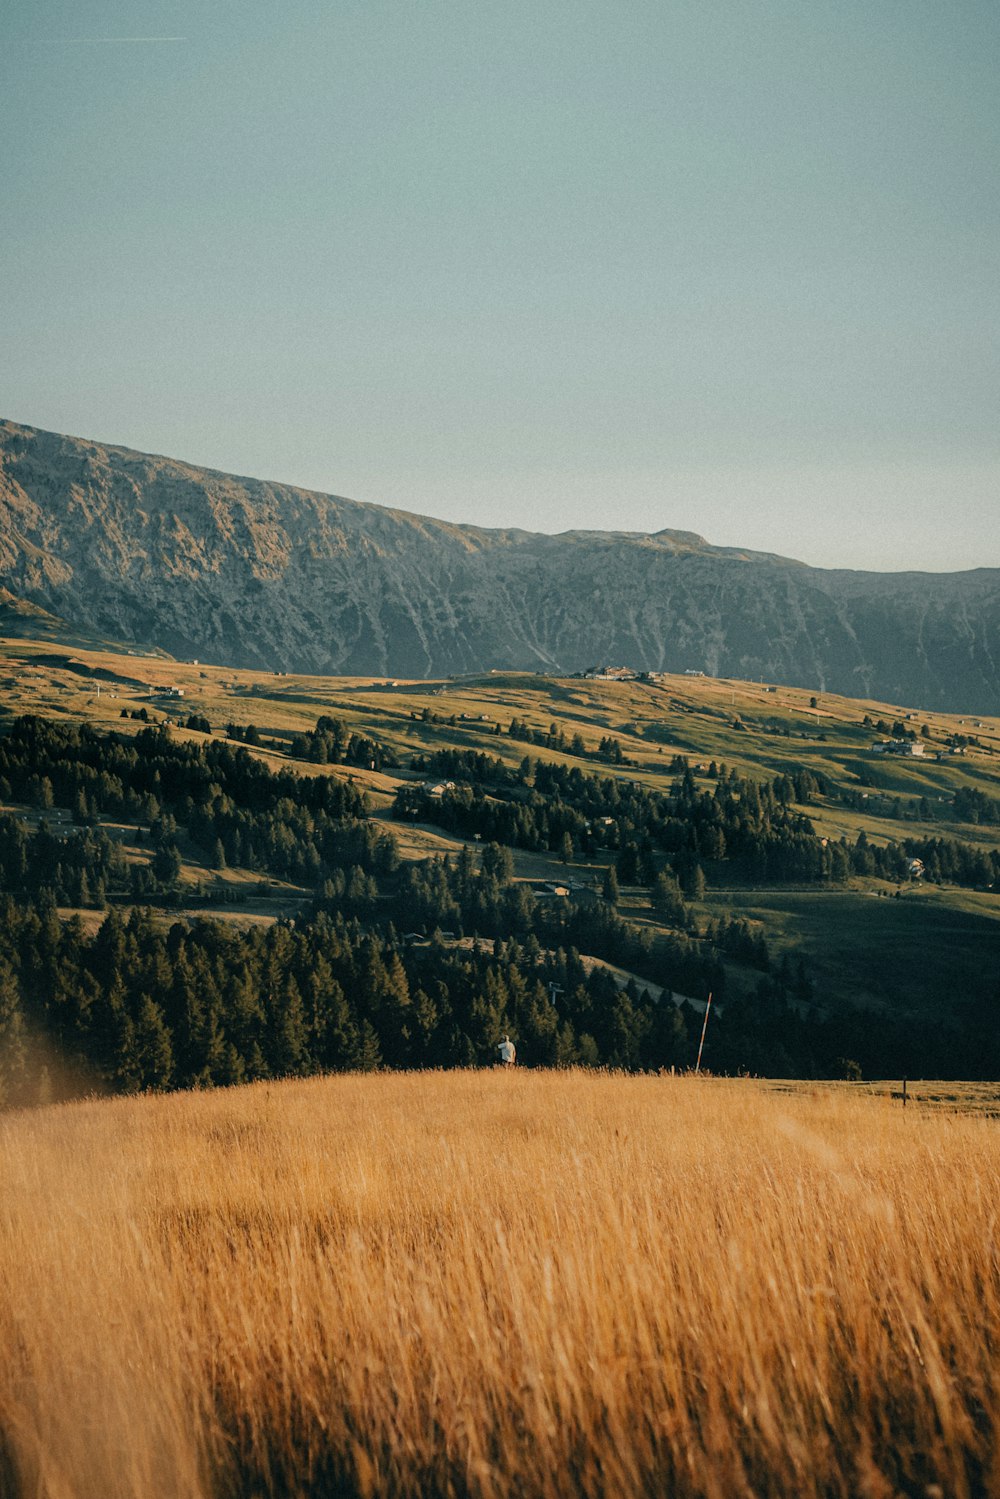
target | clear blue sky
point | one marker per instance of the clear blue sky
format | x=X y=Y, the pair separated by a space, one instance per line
x=725 y=265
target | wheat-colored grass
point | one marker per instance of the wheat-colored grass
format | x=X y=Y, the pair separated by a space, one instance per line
x=493 y=1284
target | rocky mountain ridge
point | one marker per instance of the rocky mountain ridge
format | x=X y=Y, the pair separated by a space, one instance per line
x=244 y=571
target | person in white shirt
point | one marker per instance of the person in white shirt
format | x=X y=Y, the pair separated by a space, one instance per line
x=508 y=1055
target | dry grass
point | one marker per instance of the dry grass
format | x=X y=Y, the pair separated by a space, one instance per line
x=487 y=1284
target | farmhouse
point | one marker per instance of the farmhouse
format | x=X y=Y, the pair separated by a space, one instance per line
x=610 y=674
x=898 y=747
x=436 y=788
x=547 y=889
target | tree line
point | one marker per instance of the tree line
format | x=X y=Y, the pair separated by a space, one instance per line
x=422 y=964
x=739 y=828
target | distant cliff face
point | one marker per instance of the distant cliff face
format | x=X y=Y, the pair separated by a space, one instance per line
x=258 y=574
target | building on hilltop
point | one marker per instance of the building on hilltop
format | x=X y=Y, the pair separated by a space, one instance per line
x=611 y=674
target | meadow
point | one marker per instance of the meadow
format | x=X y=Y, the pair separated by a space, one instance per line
x=484 y=1283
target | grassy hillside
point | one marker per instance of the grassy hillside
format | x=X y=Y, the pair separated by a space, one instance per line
x=750 y=726
x=487 y=1283
x=912 y=948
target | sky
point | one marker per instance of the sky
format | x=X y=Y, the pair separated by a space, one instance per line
x=728 y=266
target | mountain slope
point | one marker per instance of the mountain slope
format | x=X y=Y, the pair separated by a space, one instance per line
x=254 y=573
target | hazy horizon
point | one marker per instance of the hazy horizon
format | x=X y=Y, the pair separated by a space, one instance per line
x=732 y=270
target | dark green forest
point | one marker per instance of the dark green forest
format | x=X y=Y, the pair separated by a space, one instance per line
x=406 y=965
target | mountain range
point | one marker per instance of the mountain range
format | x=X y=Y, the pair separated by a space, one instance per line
x=248 y=572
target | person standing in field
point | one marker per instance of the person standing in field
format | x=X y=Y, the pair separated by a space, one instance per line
x=508 y=1054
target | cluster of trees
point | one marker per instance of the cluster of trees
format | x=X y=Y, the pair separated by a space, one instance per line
x=555 y=738
x=745 y=943
x=610 y=749
x=233 y=808
x=895 y=730
x=245 y=733
x=332 y=743
x=893 y=807
x=560 y=808
x=465 y=765
x=483 y=723
x=950 y=861
x=140 y=1007
x=463 y=899
x=739 y=827
x=78 y=870
x=975 y=806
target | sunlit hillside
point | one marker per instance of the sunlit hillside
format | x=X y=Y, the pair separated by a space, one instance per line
x=927 y=950
x=486 y=1284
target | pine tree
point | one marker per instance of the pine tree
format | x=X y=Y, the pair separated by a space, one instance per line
x=289 y=1050
x=156 y=1057
x=335 y=1041
x=666 y=899
x=127 y=1066
x=498 y=863
x=566 y=1053
x=13 y=1041
x=425 y=1015
x=108 y=948
x=368 y=1057
x=188 y=1018
x=213 y=1044
x=167 y=863
x=233 y=1068
x=245 y=1013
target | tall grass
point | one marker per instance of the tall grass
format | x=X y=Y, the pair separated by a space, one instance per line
x=492 y=1284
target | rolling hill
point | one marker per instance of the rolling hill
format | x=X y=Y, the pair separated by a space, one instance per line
x=927 y=948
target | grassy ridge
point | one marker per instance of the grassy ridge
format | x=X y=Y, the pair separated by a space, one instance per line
x=485 y=1284
x=779 y=730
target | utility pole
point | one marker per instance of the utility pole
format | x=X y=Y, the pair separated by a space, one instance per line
x=704 y=1028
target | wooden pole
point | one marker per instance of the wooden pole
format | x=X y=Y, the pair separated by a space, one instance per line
x=704 y=1028
x=904 y=1092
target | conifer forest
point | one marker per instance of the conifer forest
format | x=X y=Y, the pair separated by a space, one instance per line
x=396 y=964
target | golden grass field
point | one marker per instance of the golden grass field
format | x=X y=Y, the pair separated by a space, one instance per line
x=494 y=1284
